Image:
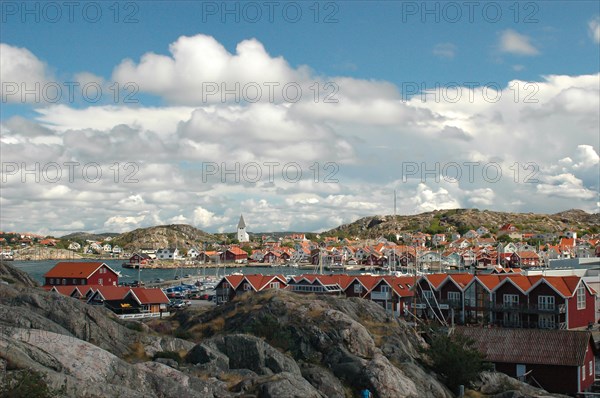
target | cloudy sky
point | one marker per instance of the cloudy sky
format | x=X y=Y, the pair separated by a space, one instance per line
x=300 y=115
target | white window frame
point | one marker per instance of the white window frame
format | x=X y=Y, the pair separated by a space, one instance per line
x=581 y=297
x=510 y=300
x=546 y=302
x=546 y=321
x=357 y=288
x=454 y=297
x=591 y=367
x=428 y=294
x=384 y=289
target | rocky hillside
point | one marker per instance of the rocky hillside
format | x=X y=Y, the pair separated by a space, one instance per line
x=83 y=236
x=441 y=221
x=34 y=253
x=181 y=236
x=272 y=344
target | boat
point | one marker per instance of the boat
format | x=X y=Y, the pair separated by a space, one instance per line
x=131 y=265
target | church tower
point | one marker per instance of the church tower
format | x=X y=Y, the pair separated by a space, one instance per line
x=242 y=235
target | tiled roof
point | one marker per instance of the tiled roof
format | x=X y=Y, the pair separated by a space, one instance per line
x=112 y=292
x=73 y=270
x=530 y=346
x=233 y=280
x=150 y=296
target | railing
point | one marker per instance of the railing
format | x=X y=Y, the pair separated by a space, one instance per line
x=381 y=295
x=531 y=308
x=143 y=315
x=441 y=304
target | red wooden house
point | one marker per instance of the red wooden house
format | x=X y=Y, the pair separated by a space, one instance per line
x=234 y=254
x=524 y=259
x=81 y=273
x=560 y=361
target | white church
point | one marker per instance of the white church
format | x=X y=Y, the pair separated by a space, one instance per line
x=242 y=235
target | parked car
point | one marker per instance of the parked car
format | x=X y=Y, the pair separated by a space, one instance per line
x=159 y=280
x=187 y=276
x=177 y=304
x=177 y=277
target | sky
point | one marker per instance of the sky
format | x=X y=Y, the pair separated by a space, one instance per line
x=301 y=115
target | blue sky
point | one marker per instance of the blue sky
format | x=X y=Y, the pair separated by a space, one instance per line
x=370 y=50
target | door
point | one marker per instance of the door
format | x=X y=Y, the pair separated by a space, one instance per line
x=521 y=370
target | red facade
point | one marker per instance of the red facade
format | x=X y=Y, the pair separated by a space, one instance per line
x=81 y=273
x=581 y=317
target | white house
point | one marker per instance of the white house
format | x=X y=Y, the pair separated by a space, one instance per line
x=482 y=230
x=167 y=254
x=117 y=249
x=192 y=253
x=107 y=248
x=74 y=246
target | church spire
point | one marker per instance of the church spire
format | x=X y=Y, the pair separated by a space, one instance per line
x=241 y=224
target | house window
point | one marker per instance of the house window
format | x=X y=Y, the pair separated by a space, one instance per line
x=52 y=281
x=225 y=285
x=274 y=285
x=428 y=294
x=581 y=297
x=64 y=281
x=591 y=366
x=511 y=319
x=546 y=302
x=546 y=322
x=100 y=281
x=583 y=373
x=74 y=281
x=511 y=300
x=358 y=288
x=247 y=286
x=454 y=297
x=385 y=289
x=83 y=281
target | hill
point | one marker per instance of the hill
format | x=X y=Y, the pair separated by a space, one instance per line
x=461 y=220
x=83 y=236
x=181 y=236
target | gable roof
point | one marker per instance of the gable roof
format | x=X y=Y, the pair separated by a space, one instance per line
x=74 y=269
x=111 y=292
x=530 y=346
x=150 y=295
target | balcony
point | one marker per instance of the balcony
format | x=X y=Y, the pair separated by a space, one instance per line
x=382 y=296
x=442 y=304
x=530 y=309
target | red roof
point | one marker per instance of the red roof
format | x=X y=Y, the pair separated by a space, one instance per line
x=233 y=280
x=237 y=251
x=259 y=282
x=150 y=296
x=74 y=269
x=112 y=292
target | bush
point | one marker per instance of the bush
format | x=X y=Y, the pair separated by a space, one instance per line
x=455 y=360
x=134 y=326
x=26 y=384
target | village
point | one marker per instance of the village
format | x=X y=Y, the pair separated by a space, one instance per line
x=476 y=248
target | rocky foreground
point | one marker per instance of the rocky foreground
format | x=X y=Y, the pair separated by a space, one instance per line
x=273 y=344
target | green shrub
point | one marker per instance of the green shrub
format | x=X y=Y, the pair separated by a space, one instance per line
x=455 y=360
x=26 y=384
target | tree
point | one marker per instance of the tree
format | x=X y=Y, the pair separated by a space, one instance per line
x=455 y=360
